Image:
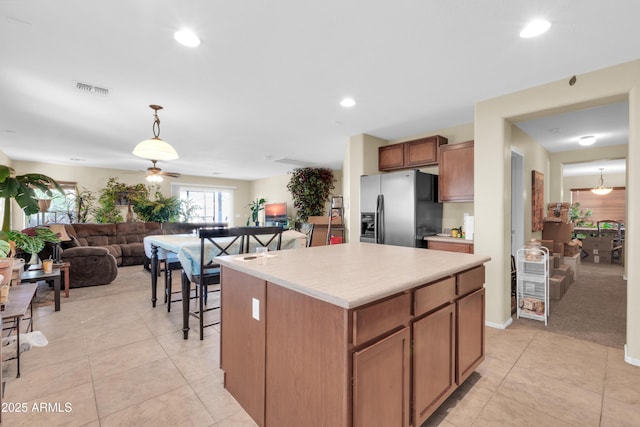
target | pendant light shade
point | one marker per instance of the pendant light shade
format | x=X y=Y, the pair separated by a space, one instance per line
x=601 y=190
x=155 y=148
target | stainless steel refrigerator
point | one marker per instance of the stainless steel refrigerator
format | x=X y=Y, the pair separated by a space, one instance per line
x=399 y=208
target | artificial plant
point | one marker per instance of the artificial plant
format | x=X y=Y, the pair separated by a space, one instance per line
x=22 y=188
x=310 y=189
x=256 y=206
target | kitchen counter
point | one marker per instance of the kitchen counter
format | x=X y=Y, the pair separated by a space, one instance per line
x=311 y=336
x=448 y=239
x=353 y=274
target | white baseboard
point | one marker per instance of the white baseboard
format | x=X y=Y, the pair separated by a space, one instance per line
x=630 y=360
x=504 y=325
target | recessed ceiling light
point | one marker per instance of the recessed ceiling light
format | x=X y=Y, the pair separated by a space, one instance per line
x=187 y=38
x=587 y=140
x=535 y=28
x=348 y=102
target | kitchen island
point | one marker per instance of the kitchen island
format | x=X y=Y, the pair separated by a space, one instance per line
x=355 y=334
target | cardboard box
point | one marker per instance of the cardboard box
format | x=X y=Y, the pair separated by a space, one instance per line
x=574 y=263
x=570 y=251
x=564 y=270
x=547 y=244
x=558 y=248
x=601 y=243
x=557 y=231
x=601 y=257
x=556 y=287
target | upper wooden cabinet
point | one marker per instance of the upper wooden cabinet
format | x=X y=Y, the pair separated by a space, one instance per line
x=410 y=154
x=455 y=180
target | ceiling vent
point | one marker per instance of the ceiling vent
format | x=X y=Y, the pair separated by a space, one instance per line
x=88 y=88
x=294 y=162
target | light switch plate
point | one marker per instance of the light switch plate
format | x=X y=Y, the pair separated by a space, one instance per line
x=255 y=308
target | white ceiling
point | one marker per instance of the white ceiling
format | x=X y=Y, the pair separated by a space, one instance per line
x=560 y=132
x=266 y=82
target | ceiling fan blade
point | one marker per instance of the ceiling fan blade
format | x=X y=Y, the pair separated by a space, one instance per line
x=171 y=174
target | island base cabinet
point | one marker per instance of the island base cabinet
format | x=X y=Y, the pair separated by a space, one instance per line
x=434 y=340
x=470 y=325
x=242 y=346
x=381 y=382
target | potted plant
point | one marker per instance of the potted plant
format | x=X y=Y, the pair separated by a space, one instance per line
x=32 y=240
x=310 y=189
x=256 y=206
x=161 y=209
x=22 y=188
x=115 y=194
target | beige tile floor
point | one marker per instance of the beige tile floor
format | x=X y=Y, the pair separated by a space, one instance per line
x=116 y=361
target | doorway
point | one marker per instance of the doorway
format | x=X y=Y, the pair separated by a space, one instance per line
x=517 y=201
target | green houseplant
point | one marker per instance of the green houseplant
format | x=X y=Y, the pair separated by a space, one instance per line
x=256 y=206
x=115 y=194
x=33 y=240
x=310 y=189
x=161 y=209
x=22 y=188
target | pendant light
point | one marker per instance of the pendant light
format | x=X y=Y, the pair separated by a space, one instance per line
x=155 y=148
x=601 y=190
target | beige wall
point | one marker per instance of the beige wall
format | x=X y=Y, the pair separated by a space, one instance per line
x=452 y=213
x=93 y=179
x=492 y=178
x=274 y=190
x=579 y=156
x=536 y=158
x=590 y=181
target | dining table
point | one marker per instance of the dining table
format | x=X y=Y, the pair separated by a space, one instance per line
x=185 y=248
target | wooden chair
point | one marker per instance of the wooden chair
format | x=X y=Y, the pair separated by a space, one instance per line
x=307 y=228
x=207 y=278
x=172 y=264
x=270 y=237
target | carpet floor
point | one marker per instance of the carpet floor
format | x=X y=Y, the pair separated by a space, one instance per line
x=593 y=308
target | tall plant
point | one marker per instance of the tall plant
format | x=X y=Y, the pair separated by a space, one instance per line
x=22 y=188
x=162 y=209
x=310 y=189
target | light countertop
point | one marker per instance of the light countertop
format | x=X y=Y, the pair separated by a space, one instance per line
x=353 y=274
x=449 y=239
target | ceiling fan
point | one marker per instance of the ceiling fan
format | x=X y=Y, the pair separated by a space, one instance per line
x=155 y=174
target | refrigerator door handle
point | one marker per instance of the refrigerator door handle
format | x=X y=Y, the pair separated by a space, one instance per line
x=380 y=213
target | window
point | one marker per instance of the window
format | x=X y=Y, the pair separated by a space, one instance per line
x=206 y=204
x=61 y=208
x=608 y=206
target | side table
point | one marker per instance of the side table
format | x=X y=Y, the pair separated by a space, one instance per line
x=64 y=269
x=32 y=276
x=20 y=300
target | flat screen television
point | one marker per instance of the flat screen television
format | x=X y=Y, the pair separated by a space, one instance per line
x=275 y=214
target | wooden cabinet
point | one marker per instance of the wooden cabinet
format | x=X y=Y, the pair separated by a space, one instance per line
x=470 y=333
x=455 y=178
x=391 y=157
x=465 y=248
x=244 y=364
x=381 y=382
x=410 y=154
x=388 y=363
x=433 y=365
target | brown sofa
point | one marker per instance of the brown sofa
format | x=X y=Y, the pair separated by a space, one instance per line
x=95 y=251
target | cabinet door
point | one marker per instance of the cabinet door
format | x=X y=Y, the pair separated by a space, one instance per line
x=451 y=247
x=456 y=172
x=422 y=152
x=433 y=361
x=381 y=382
x=470 y=324
x=242 y=341
x=391 y=157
